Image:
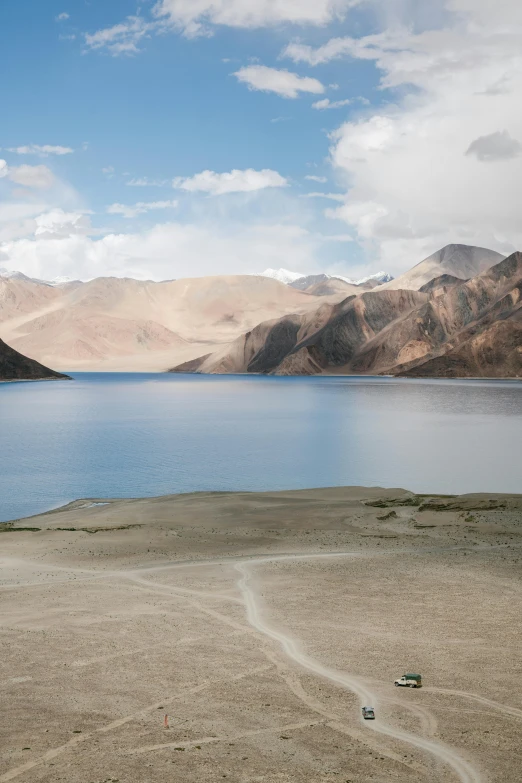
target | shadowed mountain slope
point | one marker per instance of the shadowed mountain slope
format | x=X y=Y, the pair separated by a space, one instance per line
x=15 y=366
x=475 y=325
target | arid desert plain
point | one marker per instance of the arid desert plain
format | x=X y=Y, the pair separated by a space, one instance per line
x=260 y=624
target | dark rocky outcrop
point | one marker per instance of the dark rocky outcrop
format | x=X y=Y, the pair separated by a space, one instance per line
x=15 y=366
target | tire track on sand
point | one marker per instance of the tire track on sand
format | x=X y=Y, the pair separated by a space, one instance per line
x=463 y=771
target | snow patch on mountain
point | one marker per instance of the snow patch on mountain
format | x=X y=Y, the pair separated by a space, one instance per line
x=282 y=275
x=12 y=274
x=287 y=277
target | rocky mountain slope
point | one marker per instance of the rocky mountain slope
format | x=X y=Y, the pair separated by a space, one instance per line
x=466 y=329
x=135 y=325
x=15 y=366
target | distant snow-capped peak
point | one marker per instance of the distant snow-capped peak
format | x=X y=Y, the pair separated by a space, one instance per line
x=283 y=275
x=380 y=277
x=287 y=277
x=11 y=274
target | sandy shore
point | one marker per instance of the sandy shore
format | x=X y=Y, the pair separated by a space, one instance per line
x=260 y=623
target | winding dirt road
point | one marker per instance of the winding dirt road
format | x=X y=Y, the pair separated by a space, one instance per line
x=462 y=769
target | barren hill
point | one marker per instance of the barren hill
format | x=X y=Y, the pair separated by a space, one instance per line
x=475 y=325
x=16 y=367
x=461 y=261
x=126 y=324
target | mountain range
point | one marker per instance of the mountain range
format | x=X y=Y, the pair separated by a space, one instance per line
x=447 y=315
x=300 y=281
x=451 y=328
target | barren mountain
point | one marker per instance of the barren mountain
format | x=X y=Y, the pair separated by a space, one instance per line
x=325 y=285
x=440 y=285
x=125 y=324
x=16 y=367
x=462 y=261
x=334 y=286
x=474 y=327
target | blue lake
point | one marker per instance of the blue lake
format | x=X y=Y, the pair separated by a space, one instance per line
x=128 y=435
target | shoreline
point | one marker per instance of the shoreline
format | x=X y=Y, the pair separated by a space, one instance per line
x=80 y=504
x=34 y=380
x=516 y=379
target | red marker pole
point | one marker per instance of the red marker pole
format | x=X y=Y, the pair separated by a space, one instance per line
x=166 y=722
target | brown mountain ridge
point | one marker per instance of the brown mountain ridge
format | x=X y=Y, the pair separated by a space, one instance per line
x=464 y=329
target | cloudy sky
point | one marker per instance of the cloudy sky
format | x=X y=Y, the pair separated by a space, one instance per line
x=188 y=137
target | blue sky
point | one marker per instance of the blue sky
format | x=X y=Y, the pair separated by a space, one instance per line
x=214 y=110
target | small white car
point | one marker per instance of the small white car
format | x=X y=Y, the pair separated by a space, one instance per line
x=409 y=681
x=368 y=713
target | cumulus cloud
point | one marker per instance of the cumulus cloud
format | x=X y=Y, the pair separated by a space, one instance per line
x=58 y=224
x=42 y=150
x=17 y=218
x=235 y=181
x=130 y=211
x=496 y=146
x=170 y=250
x=37 y=177
x=62 y=17
x=453 y=76
x=326 y=103
x=282 y=82
x=315 y=178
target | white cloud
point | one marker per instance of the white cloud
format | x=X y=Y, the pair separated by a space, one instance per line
x=130 y=211
x=496 y=146
x=17 y=218
x=122 y=38
x=195 y=17
x=234 y=181
x=282 y=82
x=62 y=17
x=335 y=48
x=37 y=177
x=170 y=250
x=145 y=182
x=331 y=196
x=326 y=103
x=42 y=150
x=108 y=171
x=456 y=77
x=316 y=178
x=58 y=224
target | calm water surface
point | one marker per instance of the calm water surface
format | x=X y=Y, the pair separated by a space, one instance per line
x=123 y=435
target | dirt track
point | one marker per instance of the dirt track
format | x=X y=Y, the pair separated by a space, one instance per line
x=260 y=624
